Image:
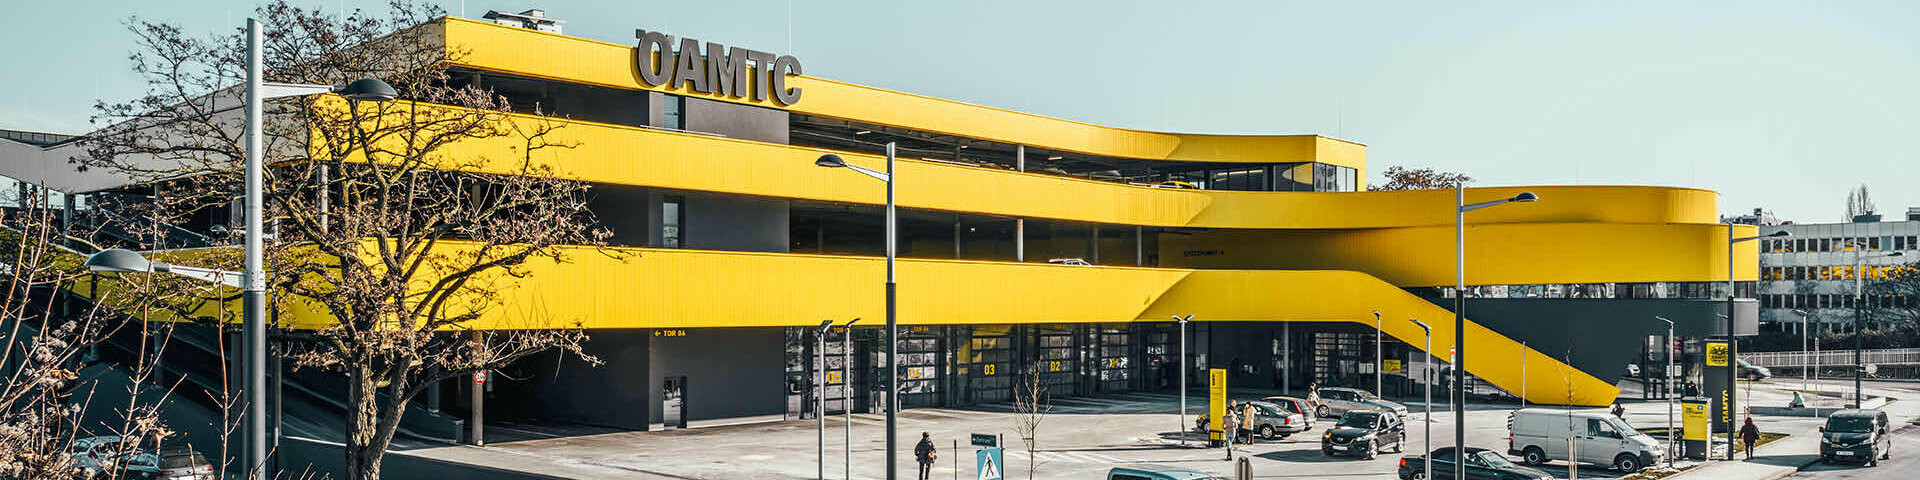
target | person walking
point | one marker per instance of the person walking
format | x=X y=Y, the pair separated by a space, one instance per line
x=1749 y=434
x=1619 y=411
x=1313 y=398
x=925 y=453
x=1230 y=422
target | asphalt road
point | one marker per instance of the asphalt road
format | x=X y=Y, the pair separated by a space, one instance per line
x=1905 y=463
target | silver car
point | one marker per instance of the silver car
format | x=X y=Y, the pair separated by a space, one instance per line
x=1336 y=401
x=127 y=457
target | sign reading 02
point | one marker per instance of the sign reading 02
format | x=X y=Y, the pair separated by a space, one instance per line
x=722 y=70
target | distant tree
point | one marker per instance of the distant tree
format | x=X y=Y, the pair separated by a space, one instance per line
x=1858 y=203
x=1031 y=403
x=1403 y=178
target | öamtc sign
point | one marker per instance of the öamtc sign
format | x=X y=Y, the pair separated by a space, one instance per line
x=719 y=70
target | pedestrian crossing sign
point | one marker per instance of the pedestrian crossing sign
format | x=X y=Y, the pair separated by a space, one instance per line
x=987 y=461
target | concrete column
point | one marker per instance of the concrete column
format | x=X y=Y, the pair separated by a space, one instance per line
x=1020 y=158
x=1093 y=244
x=1019 y=239
x=1139 y=247
x=957 y=251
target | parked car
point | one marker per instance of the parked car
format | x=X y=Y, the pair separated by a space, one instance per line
x=1157 y=472
x=1336 y=401
x=1270 y=421
x=126 y=457
x=1540 y=435
x=1078 y=262
x=1753 y=373
x=1856 y=435
x=1295 y=405
x=1482 y=464
x=1365 y=433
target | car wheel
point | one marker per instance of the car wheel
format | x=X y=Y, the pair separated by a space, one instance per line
x=1400 y=446
x=1418 y=475
x=1626 y=463
x=1326 y=451
x=1533 y=456
x=1266 y=432
x=1323 y=412
x=1373 y=449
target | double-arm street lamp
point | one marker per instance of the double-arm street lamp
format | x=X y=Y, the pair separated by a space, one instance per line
x=1666 y=380
x=1859 y=313
x=1182 y=321
x=1427 y=444
x=1733 y=350
x=1804 y=318
x=1460 y=313
x=1379 y=358
x=252 y=281
x=893 y=330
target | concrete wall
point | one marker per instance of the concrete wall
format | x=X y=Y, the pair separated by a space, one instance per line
x=731 y=372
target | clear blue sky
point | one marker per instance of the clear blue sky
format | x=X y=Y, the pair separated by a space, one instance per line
x=1784 y=105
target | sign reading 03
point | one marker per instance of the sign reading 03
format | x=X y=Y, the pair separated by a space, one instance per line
x=722 y=70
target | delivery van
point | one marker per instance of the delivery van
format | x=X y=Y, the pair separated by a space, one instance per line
x=1540 y=435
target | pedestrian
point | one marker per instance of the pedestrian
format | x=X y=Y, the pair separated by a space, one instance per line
x=1230 y=422
x=1748 y=435
x=1313 y=398
x=925 y=453
x=1619 y=411
x=1247 y=415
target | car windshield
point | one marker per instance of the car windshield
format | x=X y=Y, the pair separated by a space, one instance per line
x=1365 y=396
x=1494 y=459
x=1850 y=424
x=1357 y=419
x=1621 y=426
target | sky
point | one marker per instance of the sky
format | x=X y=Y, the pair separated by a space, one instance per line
x=1778 y=105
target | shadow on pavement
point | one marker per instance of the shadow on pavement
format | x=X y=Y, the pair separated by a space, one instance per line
x=1784 y=460
x=1308 y=456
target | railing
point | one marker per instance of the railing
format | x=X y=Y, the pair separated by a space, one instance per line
x=1891 y=356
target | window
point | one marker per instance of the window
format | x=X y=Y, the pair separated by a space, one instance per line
x=1913 y=242
x=671 y=115
x=1245 y=179
x=671 y=209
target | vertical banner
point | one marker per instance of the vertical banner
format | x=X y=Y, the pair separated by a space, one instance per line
x=1719 y=386
x=1216 y=403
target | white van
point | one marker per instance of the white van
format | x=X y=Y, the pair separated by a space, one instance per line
x=1539 y=435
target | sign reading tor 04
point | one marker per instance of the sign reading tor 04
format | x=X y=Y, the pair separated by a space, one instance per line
x=721 y=70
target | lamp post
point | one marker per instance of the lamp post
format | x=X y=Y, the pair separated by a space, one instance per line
x=1666 y=380
x=846 y=400
x=1379 y=357
x=1859 y=314
x=1183 y=376
x=1427 y=444
x=1461 y=207
x=1804 y=318
x=1733 y=348
x=820 y=395
x=893 y=330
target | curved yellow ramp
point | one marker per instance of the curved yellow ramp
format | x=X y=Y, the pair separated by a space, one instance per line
x=1345 y=296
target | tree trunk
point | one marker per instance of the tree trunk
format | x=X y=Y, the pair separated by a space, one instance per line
x=362 y=450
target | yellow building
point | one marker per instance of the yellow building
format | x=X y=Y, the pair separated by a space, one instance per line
x=1036 y=245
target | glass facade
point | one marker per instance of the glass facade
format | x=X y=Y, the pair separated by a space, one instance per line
x=1285 y=177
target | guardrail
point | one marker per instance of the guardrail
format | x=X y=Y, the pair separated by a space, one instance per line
x=1890 y=356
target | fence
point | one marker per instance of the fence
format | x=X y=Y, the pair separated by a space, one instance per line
x=1891 y=356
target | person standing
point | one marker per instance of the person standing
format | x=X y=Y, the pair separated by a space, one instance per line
x=1313 y=398
x=1230 y=422
x=1749 y=434
x=925 y=453
x=1247 y=415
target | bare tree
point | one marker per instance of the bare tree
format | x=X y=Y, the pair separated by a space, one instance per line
x=1858 y=203
x=1031 y=403
x=400 y=243
x=47 y=340
x=1403 y=178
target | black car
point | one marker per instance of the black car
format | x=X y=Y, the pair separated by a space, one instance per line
x=1365 y=433
x=1856 y=435
x=1482 y=464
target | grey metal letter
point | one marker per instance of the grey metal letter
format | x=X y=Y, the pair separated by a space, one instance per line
x=689 y=67
x=654 y=71
x=762 y=70
x=783 y=66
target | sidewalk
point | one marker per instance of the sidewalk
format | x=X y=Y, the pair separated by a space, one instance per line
x=1779 y=459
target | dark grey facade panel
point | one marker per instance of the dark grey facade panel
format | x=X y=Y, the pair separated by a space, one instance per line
x=731 y=372
x=737 y=121
x=1599 y=336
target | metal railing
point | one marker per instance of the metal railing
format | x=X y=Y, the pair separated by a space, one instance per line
x=1891 y=356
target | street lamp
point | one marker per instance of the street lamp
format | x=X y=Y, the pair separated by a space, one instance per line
x=1666 y=380
x=820 y=395
x=1804 y=318
x=1379 y=358
x=893 y=330
x=1733 y=348
x=1183 y=377
x=119 y=260
x=1427 y=444
x=1461 y=207
x=846 y=399
x=1859 y=313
